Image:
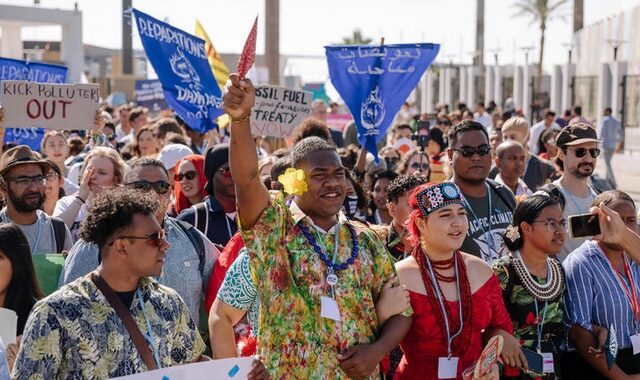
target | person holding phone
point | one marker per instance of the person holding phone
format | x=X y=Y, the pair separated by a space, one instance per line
x=603 y=277
x=532 y=282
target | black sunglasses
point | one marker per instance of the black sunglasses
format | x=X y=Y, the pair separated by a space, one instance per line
x=191 y=174
x=160 y=187
x=416 y=166
x=581 y=152
x=469 y=151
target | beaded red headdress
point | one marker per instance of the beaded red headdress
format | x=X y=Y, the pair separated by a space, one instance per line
x=437 y=196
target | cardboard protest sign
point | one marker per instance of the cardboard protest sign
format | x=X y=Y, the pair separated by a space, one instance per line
x=232 y=368
x=45 y=105
x=8 y=325
x=278 y=110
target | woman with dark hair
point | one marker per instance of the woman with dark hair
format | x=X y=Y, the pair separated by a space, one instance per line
x=355 y=203
x=547 y=148
x=603 y=279
x=54 y=189
x=438 y=157
x=380 y=180
x=532 y=280
x=456 y=298
x=19 y=288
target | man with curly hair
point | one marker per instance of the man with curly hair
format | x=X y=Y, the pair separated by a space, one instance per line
x=77 y=332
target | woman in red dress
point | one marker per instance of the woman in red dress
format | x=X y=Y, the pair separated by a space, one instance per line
x=455 y=296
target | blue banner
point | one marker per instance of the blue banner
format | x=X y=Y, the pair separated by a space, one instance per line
x=374 y=82
x=181 y=62
x=149 y=94
x=14 y=69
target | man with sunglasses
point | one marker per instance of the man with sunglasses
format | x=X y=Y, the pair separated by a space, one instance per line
x=216 y=215
x=577 y=157
x=87 y=329
x=190 y=258
x=23 y=187
x=489 y=204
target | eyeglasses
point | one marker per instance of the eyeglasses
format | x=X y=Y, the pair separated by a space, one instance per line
x=51 y=176
x=160 y=187
x=24 y=181
x=191 y=174
x=469 y=151
x=580 y=152
x=154 y=239
x=225 y=172
x=416 y=165
x=554 y=225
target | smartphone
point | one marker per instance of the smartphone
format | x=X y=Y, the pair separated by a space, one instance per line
x=534 y=360
x=583 y=225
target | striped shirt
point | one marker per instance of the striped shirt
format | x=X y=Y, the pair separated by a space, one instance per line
x=594 y=294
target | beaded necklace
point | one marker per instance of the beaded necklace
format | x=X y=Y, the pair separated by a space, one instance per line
x=332 y=265
x=551 y=289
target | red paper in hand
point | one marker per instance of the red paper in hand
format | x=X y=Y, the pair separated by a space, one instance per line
x=248 y=56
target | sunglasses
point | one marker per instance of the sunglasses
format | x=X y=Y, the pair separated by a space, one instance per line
x=417 y=166
x=469 y=151
x=191 y=174
x=581 y=152
x=225 y=172
x=160 y=187
x=154 y=239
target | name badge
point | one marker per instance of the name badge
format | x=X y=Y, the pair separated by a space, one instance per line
x=329 y=309
x=447 y=368
x=635 y=342
x=547 y=362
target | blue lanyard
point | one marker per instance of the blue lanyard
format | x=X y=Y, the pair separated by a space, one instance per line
x=149 y=337
x=486 y=233
x=441 y=301
x=540 y=325
x=335 y=253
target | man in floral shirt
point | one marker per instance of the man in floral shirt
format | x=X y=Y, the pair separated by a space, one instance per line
x=318 y=277
x=76 y=334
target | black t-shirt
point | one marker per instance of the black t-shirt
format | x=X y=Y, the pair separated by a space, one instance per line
x=126 y=297
x=485 y=239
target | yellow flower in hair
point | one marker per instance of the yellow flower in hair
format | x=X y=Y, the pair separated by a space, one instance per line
x=293 y=181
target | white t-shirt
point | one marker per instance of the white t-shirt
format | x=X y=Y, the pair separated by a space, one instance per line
x=62 y=204
x=534 y=135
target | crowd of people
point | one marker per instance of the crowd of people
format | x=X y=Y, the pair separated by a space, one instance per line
x=319 y=258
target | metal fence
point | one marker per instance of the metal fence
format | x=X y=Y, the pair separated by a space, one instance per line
x=584 y=91
x=631 y=111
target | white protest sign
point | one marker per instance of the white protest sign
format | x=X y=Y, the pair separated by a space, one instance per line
x=277 y=110
x=232 y=368
x=46 y=105
x=8 y=325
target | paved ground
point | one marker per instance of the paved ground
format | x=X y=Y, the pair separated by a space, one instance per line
x=626 y=169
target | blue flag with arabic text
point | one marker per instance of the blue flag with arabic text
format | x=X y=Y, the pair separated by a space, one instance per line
x=182 y=65
x=374 y=82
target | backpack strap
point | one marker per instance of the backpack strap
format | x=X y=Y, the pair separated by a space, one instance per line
x=196 y=240
x=60 y=233
x=504 y=193
x=201 y=219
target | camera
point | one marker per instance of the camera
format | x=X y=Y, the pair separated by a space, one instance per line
x=421 y=135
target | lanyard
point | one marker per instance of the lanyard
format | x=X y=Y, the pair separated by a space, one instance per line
x=630 y=291
x=540 y=324
x=444 y=310
x=332 y=278
x=486 y=233
x=226 y=218
x=149 y=337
